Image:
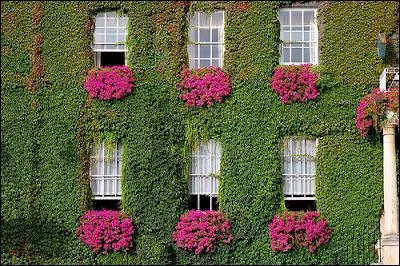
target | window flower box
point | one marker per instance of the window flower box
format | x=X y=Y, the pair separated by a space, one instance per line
x=295 y=83
x=290 y=230
x=107 y=83
x=203 y=86
x=201 y=231
x=105 y=231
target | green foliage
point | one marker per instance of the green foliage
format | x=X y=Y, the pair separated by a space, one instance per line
x=47 y=132
x=351 y=56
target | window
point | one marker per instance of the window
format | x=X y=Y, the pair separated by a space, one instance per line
x=299 y=35
x=206 y=39
x=203 y=185
x=105 y=172
x=298 y=169
x=109 y=39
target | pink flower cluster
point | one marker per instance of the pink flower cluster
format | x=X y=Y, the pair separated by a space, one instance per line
x=372 y=109
x=106 y=83
x=203 y=86
x=201 y=231
x=105 y=230
x=295 y=83
x=291 y=229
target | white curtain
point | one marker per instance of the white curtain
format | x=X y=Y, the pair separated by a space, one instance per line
x=298 y=166
x=105 y=173
x=204 y=163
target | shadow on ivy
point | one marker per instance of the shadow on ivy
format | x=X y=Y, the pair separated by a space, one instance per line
x=38 y=241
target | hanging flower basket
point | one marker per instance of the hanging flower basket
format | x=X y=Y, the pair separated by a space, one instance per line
x=201 y=231
x=203 y=86
x=107 y=83
x=105 y=231
x=295 y=83
x=377 y=109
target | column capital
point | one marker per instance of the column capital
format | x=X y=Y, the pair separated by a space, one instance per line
x=388 y=129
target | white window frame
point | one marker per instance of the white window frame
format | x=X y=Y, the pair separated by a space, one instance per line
x=98 y=51
x=303 y=177
x=207 y=183
x=98 y=155
x=198 y=44
x=314 y=42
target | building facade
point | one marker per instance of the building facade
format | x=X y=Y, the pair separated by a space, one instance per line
x=153 y=157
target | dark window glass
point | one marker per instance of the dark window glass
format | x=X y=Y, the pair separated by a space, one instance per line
x=107 y=205
x=204 y=202
x=193 y=202
x=112 y=58
x=301 y=205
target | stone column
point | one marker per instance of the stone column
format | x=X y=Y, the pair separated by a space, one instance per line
x=390 y=235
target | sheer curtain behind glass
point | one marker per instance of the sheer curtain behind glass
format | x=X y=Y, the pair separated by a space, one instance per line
x=205 y=163
x=298 y=168
x=105 y=171
x=206 y=39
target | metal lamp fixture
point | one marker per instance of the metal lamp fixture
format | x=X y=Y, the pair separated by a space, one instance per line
x=381 y=45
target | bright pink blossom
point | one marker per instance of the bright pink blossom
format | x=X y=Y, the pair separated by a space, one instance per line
x=372 y=109
x=201 y=231
x=295 y=83
x=298 y=229
x=106 y=83
x=105 y=231
x=203 y=86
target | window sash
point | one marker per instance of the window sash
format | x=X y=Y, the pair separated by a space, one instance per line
x=203 y=50
x=105 y=174
x=205 y=163
x=303 y=49
x=110 y=38
x=298 y=168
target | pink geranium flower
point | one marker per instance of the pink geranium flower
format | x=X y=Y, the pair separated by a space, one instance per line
x=106 y=83
x=105 y=231
x=201 y=231
x=295 y=83
x=298 y=229
x=203 y=86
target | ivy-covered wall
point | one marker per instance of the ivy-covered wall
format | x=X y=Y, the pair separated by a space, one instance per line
x=48 y=123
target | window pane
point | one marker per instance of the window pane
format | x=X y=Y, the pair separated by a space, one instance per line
x=217 y=51
x=193 y=51
x=296 y=18
x=100 y=19
x=215 y=203
x=308 y=17
x=307 y=55
x=204 y=19
x=193 y=35
x=123 y=22
x=285 y=36
x=284 y=17
x=99 y=38
x=217 y=19
x=111 y=20
x=216 y=63
x=296 y=55
x=204 y=63
x=307 y=36
x=205 y=35
x=297 y=36
x=193 y=19
x=193 y=63
x=286 y=55
x=193 y=199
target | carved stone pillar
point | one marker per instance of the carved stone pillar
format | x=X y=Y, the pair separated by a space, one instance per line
x=390 y=235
